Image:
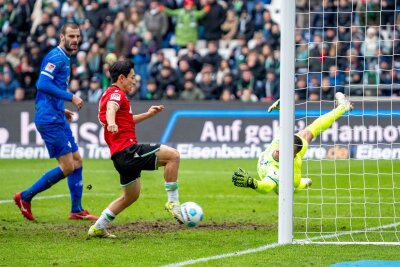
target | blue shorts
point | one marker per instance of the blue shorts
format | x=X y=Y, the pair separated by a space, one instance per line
x=58 y=139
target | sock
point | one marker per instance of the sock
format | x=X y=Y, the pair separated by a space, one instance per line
x=105 y=218
x=326 y=120
x=172 y=191
x=46 y=181
x=265 y=185
x=75 y=188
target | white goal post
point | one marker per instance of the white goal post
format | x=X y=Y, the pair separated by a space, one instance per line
x=349 y=46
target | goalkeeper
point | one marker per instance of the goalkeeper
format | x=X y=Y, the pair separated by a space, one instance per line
x=268 y=161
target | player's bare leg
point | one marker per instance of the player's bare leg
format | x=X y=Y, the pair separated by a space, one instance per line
x=170 y=158
x=130 y=193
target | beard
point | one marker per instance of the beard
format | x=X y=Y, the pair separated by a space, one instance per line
x=70 y=47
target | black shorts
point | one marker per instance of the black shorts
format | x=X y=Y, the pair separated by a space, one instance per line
x=133 y=159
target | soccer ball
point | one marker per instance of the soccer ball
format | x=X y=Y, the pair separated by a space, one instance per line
x=192 y=214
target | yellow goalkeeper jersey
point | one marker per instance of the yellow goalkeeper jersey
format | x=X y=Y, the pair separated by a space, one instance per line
x=268 y=167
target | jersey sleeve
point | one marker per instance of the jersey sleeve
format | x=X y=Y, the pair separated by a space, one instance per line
x=46 y=83
x=116 y=97
x=51 y=67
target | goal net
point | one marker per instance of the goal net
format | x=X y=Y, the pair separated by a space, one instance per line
x=349 y=46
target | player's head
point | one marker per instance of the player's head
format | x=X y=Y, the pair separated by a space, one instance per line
x=70 y=36
x=123 y=75
x=298 y=144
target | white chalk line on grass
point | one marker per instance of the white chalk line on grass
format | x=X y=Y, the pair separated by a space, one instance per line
x=213 y=196
x=274 y=245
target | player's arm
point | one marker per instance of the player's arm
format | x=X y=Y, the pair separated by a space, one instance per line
x=111 y=113
x=46 y=84
x=153 y=110
x=241 y=178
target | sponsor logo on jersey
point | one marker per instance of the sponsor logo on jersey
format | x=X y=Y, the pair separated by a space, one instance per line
x=115 y=96
x=50 y=67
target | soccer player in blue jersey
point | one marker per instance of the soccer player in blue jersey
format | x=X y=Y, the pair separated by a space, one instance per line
x=51 y=121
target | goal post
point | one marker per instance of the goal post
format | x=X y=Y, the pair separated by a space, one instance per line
x=286 y=117
x=349 y=46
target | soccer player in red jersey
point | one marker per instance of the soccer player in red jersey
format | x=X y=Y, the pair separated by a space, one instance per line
x=129 y=157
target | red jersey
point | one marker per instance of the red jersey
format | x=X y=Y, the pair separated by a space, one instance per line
x=126 y=135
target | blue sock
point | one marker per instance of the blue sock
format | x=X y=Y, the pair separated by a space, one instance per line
x=75 y=188
x=46 y=181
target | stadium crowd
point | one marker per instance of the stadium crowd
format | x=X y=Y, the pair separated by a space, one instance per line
x=204 y=49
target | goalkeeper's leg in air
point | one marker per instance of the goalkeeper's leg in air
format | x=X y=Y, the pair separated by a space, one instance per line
x=268 y=161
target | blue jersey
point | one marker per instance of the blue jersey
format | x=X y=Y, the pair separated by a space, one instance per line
x=52 y=87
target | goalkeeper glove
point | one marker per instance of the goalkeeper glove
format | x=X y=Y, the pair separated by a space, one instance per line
x=275 y=106
x=241 y=178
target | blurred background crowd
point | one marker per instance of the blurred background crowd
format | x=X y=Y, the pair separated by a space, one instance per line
x=205 y=49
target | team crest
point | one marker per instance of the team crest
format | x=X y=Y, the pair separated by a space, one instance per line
x=115 y=96
x=50 y=67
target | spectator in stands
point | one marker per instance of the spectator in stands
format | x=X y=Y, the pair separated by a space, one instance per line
x=248 y=95
x=137 y=22
x=223 y=70
x=141 y=58
x=29 y=86
x=14 y=56
x=156 y=22
x=229 y=27
x=186 y=28
x=95 y=90
x=10 y=89
x=193 y=57
x=257 y=15
x=213 y=20
x=209 y=87
x=191 y=91
x=255 y=66
x=300 y=88
x=246 y=81
x=369 y=47
x=94 y=59
x=153 y=92
x=227 y=96
x=269 y=89
x=156 y=66
x=314 y=88
x=183 y=67
x=167 y=76
x=228 y=83
x=75 y=88
x=327 y=90
x=212 y=57
x=246 y=25
x=171 y=93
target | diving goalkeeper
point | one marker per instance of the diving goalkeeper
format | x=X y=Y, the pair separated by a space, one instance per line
x=268 y=161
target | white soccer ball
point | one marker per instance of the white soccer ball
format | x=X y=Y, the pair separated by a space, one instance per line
x=192 y=214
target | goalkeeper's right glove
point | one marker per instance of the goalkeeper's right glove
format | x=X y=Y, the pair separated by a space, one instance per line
x=275 y=106
x=241 y=178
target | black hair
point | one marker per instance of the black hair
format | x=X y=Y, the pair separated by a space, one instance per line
x=298 y=144
x=120 y=68
x=71 y=25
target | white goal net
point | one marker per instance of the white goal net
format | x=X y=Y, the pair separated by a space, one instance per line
x=349 y=46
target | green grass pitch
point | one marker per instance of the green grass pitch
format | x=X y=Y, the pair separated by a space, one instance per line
x=235 y=219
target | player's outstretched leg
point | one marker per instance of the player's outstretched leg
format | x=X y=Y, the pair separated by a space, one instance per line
x=169 y=158
x=343 y=105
